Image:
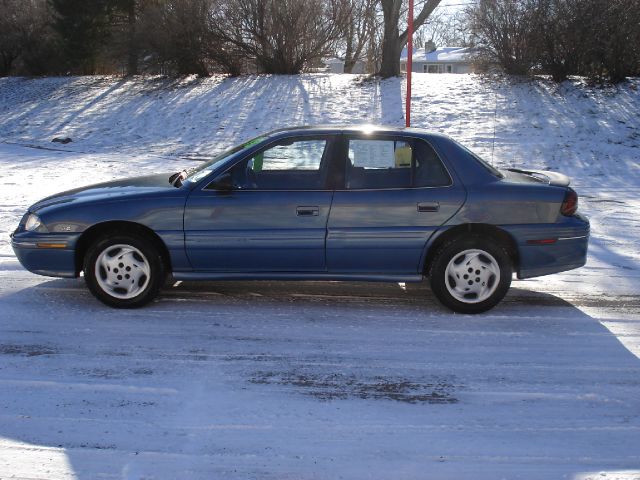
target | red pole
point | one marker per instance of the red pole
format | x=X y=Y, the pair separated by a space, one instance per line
x=409 y=64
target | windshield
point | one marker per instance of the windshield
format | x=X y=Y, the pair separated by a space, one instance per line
x=202 y=170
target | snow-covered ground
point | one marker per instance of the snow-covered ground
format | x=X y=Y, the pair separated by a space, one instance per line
x=338 y=380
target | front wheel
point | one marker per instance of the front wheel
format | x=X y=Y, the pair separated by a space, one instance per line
x=471 y=274
x=124 y=271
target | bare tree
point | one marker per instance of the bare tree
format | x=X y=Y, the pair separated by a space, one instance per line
x=596 y=38
x=359 y=31
x=393 y=41
x=614 y=50
x=505 y=31
x=283 y=36
x=445 y=30
x=176 y=33
x=556 y=35
x=226 y=54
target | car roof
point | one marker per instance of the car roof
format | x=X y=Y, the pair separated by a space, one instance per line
x=363 y=128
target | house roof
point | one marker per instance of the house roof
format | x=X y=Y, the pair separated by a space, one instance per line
x=337 y=61
x=441 y=54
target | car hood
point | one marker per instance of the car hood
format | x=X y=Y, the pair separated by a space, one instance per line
x=110 y=190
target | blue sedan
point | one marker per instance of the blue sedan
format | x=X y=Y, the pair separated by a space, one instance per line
x=378 y=204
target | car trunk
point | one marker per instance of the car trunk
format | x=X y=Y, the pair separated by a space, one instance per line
x=537 y=176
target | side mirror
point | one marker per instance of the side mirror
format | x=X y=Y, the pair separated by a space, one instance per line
x=223 y=183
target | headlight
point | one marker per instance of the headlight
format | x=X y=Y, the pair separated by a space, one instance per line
x=34 y=224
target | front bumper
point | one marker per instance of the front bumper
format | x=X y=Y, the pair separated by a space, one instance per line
x=50 y=254
x=566 y=250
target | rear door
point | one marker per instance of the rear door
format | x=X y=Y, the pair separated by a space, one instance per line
x=395 y=193
x=273 y=219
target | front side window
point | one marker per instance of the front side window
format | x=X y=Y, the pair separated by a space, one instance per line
x=287 y=165
x=392 y=164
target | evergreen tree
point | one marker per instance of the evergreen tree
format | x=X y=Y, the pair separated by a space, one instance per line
x=83 y=28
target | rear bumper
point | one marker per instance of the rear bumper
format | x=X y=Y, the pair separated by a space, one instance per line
x=566 y=248
x=52 y=255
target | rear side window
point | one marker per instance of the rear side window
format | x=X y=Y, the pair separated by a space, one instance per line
x=377 y=164
x=393 y=163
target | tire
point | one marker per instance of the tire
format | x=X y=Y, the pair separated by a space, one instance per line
x=471 y=274
x=124 y=270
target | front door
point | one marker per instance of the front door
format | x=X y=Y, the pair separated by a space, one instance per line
x=396 y=193
x=273 y=219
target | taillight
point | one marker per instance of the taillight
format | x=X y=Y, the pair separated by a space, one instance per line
x=570 y=204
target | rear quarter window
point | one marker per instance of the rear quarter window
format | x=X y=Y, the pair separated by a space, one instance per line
x=429 y=170
x=483 y=163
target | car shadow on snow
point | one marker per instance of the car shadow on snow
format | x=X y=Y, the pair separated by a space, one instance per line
x=71 y=294
x=285 y=379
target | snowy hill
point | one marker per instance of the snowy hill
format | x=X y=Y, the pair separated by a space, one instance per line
x=564 y=127
x=124 y=127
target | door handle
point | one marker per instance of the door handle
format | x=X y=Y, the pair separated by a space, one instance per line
x=307 y=211
x=428 y=206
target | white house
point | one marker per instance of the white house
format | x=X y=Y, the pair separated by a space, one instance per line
x=439 y=60
x=336 y=65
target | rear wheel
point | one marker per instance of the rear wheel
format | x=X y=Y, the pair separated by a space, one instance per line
x=124 y=271
x=471 y=274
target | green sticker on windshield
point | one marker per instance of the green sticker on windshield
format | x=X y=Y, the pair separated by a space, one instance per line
x=258 y=161
x=253 y=142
